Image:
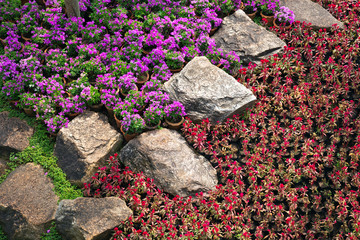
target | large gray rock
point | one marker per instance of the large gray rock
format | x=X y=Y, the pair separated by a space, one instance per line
x=250 y=41
x=14 y=134
x=311 y=12
x=27 y=203
x=206 y=91
x=85 y=145
x=90 y=218
x=165 y=156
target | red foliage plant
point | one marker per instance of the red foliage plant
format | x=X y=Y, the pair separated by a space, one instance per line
x=289 y=168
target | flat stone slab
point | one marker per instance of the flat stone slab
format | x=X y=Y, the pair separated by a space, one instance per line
x=27 y=203
x=311 y=12
x=165 y=156
x=90 y=218
x=85 y=145
x=14 y=134
x=206 y=91
x=248 y=40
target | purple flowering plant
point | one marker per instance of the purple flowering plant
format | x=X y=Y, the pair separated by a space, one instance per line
x=45 y=108
x=56 y=62
x=28 y=100
x=12 y=89
x=93 y=33
x=74 y=104
x=269 y=7
x=250 y=6
x=132 y=123
x=285 y=15
x=87 y=51
x=77 y=86
x=174 y=59
x=153 y=114
x=56 y=122
x=157 y=96
x=127 y=82
x=90 y=95
x=41 y=36
x=151 y=85
x=74 y=26
x=174 y=112
x=5 y=27
x=109 y=97
x=106 y=81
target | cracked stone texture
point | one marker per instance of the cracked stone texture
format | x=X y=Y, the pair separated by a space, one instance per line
x=206 y=91
x=250 y=41
x=14 y=134
x=90 y=218
x=85 y=145
x=27 y=203
x=165 y=156
x=311 y=12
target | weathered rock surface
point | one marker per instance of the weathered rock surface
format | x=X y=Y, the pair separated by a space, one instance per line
x=85 y=145
x=27 y=203
x=250 y=41
x=311 y=12
x=165 y=156
x=3 y=165
x=14 y=134
x=206 y=91
x=90 y=218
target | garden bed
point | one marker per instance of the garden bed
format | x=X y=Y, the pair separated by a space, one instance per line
x=288 y=167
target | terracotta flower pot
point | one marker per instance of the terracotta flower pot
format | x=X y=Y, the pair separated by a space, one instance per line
x=175 y=126
x=213 y=31
x=110 y=111
x=150 y=128
x=269 y=19
x=96 y=107
x=142 y=78
x=27 y=39
x=124 y=95
x=118 y=122
x=280 y=26
x=72 y=115
x=177 y=70
x=252 y=15
x=29 y=111
x=128 y=137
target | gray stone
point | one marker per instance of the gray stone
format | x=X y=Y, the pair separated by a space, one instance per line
x=90 y=218
x=206 y=91
x=27 y=203
x=85 y=145
x=165 y=156
x=3 y=165
x=248 y=40
x=311 y=12
x=14 y=134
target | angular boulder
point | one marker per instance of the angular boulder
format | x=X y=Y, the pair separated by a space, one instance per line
x=165 y=156
x=27 y=203
x=90 y=218
x=14 y=134
x=248 y=40
x=206 y=91
x=85 y=145
x=311 y=12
